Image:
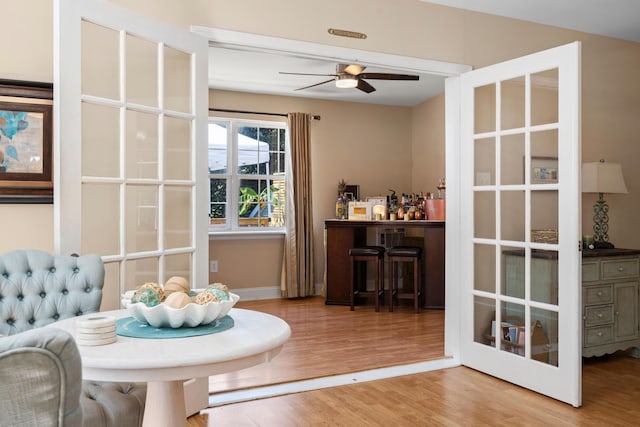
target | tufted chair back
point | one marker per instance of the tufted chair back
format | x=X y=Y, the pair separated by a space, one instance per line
x=37 y=288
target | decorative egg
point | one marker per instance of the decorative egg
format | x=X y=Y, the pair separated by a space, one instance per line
x=177 y=284
x=177 y=300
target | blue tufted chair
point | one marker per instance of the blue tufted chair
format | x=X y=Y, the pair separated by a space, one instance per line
x=36 y=289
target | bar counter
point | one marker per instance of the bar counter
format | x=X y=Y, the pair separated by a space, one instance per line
x=343 y=234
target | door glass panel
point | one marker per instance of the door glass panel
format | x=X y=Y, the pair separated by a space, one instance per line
x=512 y=215
x=111 y=282
x=177 y=80
x=142 y=145
x=513 y=279
x=544 y=336
x=177 y=143
x=484 y=109
x=218 y=207
x=141 y=271
x=484 y=214
x=178 y=265
x=544 y=216
x=100 y=214
x=485 y=161
x=177 y=215
x=141 y=218
x=101 y=140
x=484 y=264
x=544 y=97
x=512 y=330
x=142 y=71
x=544 y=157
x=512 y=159
x=544 y=276
x=100 y=61
x=512 y=100
x=484 y=314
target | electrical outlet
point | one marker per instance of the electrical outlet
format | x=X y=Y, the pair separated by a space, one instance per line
x=214 y=266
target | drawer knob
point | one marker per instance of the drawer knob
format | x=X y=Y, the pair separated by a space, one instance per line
x=599 y=334
x=620 y=269
x=599 y=315
x=599 y=293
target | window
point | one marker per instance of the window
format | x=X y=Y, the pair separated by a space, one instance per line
x=247 y=174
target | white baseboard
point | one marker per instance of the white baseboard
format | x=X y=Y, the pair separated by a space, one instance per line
x=265 y=292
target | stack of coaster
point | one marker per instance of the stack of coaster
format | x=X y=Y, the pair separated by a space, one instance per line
x=96 y=330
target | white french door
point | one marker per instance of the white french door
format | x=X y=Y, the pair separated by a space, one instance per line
x=519 y=166
x=131 y=182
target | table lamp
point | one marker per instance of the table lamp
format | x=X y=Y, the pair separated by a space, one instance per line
x=600 y=177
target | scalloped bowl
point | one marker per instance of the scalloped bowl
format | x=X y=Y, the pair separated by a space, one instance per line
x=191 y=315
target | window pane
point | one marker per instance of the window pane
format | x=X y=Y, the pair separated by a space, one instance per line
x=257 y=199
x=218 y=148
x=253 y=154
x=218 y=207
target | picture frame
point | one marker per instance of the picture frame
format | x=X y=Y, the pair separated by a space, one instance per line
x=544 y=170
x=26 y=142
x=352 y=192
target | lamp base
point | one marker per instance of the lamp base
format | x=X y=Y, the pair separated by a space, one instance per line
x=603 y=245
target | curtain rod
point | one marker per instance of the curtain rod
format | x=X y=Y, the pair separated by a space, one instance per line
x=224 y=110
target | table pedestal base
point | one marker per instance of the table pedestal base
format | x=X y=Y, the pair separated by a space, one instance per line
x=164 y=406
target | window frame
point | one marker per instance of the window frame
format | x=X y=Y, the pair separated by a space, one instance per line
x=231 y=225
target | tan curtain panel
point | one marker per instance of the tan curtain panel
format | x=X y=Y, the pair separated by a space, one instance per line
x=298 y=271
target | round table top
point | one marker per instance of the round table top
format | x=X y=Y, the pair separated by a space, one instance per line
x=255 y=338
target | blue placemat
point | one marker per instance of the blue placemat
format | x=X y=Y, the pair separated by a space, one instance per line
x=130 y=327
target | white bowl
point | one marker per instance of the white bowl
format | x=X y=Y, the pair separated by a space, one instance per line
x=191 y=315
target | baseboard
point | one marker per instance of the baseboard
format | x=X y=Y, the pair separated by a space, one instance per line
x=265 y=292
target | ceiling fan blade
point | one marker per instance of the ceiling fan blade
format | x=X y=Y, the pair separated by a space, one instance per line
x=317 y=84
x=387 y=76
x=352 y=69
x=307 y=74
x=365 y=87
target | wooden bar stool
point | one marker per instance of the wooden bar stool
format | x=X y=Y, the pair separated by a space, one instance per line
x=359 y=258
x=397 y=255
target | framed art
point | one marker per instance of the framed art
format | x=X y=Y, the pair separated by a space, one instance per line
x=544 y=170
x=352 y=192
x=26 y=142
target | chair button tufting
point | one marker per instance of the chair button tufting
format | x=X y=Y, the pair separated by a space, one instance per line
x=79 y=313
x=56 y=316
x=5 y=275
x=75 y=270
x=87 y=289
x=65 y=292
x=29 y=273
x=43 y=294
x=52 y=270
x=20 y=297
x=11 y=321
x=32 y=321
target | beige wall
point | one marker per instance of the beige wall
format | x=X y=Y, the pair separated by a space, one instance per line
x=610 y=105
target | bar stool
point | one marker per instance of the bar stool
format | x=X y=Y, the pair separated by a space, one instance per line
x=397 y=255
x=359 y=258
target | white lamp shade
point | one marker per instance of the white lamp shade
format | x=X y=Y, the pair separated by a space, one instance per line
x=600 y=177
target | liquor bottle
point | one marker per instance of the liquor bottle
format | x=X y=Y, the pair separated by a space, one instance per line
x=340 y=207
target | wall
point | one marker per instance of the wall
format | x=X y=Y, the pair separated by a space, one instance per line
x=611 y=90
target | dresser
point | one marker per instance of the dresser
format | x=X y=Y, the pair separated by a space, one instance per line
x=610 y=301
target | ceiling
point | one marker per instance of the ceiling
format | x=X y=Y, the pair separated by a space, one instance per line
x=256 y=71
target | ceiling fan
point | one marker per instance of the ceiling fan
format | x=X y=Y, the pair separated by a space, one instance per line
x=351 y=76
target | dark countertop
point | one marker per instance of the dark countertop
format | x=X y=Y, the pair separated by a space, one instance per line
x=382 y=223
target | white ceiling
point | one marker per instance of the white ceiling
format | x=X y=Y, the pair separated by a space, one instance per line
x=258 y=72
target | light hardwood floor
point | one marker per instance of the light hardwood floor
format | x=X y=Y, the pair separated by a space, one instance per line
x=449 y=397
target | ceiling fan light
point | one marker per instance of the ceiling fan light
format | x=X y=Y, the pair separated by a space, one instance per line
x=346 y=82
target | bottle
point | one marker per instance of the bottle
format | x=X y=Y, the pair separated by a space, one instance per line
x=340 y=207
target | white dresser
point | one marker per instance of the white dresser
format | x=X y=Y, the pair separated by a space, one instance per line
x=610 y=301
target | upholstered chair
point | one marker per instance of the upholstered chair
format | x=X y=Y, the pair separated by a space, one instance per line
x=37 y=289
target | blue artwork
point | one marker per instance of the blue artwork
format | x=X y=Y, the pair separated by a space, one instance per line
x=21 y=142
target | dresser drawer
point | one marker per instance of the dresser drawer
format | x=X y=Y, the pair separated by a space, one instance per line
x=598 y=315
x=597 y=336
x=590 y=271
x=622 y=268
x=598 y=295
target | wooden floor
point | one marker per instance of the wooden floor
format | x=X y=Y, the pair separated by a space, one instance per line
x=449 y=397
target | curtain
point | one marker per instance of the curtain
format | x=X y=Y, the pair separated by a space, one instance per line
x=297 y=269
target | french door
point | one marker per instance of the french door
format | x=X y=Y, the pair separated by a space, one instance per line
x=519 y=165
x=131 y=145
